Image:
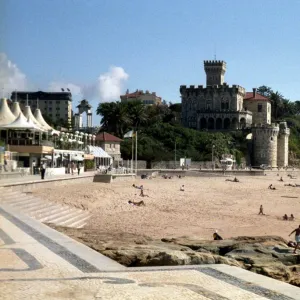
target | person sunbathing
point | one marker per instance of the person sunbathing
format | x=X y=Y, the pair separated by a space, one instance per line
x=271 y=187
x=182 y=188
x=142 y=193
x=290 y=184
x=217 y=237
x=281 y=179
x=233 y=180
x=139 y=203
x=285 y=217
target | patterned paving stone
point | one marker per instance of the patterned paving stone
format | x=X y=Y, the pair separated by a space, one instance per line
x=39 y=263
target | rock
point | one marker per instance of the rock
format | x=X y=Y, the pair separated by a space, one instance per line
x=266 y=255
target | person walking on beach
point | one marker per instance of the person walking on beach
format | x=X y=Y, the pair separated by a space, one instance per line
x=261 y=210
x=43 y=170
x=72 y=167
x=78 y=168
x=297 y=237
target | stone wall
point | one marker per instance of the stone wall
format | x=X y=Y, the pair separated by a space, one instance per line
x=263 y=117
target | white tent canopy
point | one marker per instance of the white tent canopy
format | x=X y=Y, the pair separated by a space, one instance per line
x=39 y=117
x=28 y=114
x=98 y=152
x=21 y=123
x=6 y=116
x=16 y=110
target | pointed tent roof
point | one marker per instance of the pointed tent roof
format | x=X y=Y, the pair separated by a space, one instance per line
x=6 y=116
x=21 y=123
x=39 y=117
x=28 y=114
x=16 y=110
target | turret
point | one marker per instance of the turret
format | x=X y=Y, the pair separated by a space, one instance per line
x=215 y=70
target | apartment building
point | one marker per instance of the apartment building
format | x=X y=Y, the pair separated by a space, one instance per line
x=55 y=105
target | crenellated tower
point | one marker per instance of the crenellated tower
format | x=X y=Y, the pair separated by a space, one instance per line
x=215 y=71
x=283 y=145
x=264 y=139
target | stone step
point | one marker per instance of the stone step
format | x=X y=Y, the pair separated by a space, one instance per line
x=76 y=218
x=44 y=207
x=11 y=193
x=79 y=223
x=17 y=199
x=24 y=205
x=21 y=201
x=47 y=218
x=64 y=217
x=47 y=211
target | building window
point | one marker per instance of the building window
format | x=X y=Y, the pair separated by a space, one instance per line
x=259 y=108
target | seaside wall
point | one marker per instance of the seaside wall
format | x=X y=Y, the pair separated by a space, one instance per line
x=265 y=145
x=283 y=145
x=142 y=164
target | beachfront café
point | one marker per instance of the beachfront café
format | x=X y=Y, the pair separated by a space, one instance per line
x=34 y=142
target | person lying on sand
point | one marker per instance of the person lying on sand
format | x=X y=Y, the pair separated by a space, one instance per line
x=233 y=180
x=290 y=184
x=297 y=237
x=142 y=193
x=271 y=187
x=182 y=188
x=217 y=237
x=285 y=217
x=281 y=179
x=261 y=210
x=139 y=203
x=138 y=187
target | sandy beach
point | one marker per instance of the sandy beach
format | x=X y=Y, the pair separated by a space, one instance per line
x=206 y=205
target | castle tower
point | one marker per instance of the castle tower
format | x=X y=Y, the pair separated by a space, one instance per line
x=264 y=139
x=215 y=70
x=283 y=145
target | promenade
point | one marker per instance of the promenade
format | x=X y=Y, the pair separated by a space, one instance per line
x=37 y=262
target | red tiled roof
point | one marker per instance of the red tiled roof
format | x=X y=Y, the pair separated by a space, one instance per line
x=132 y=95
x=258 y=97
x=107 y=137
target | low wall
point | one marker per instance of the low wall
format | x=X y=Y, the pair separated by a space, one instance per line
x=31 y=185
x=202 y=173
x=108 y=178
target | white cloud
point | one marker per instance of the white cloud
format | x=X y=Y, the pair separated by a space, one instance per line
x=107 y=88
x=111 y=83
x=11 y=78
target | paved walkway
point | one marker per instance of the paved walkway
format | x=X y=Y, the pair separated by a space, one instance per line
x=17 y=179
x=37 y=262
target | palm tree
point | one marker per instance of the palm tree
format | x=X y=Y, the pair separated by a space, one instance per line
x=276 y=99
x=114 y=117
x=137 y=114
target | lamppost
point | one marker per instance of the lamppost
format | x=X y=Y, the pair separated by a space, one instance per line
x=212 y=157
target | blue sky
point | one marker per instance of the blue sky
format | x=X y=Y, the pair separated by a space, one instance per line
x=157 y=45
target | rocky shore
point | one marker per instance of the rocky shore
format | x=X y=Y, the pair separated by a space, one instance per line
x=266 y=255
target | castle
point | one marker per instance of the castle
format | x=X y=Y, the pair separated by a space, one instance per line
x=221 y=107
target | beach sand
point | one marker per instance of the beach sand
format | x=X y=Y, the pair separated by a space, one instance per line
x=206 y=205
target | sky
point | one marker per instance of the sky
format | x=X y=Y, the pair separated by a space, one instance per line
x=100 y=48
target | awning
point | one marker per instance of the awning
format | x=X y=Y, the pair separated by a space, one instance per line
x=98 y=152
